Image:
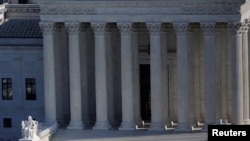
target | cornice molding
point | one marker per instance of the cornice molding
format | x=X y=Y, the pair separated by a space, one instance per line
x=30 y=8
x=145 y=7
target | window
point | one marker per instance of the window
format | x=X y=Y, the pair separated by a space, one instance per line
x=30 y=88
x=7 y=89
x=7 y=123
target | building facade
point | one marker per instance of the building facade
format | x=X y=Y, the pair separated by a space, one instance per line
x=129 y=64
x=21 y=68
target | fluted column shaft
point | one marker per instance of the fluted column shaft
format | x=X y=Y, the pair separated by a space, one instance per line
x=156 y=77
x=182 y=76
x=209 y=72
x=128 y=122
x=245 y=73
x=74 y=76
x=100 y=76
x=49 y=71
x=237 y=73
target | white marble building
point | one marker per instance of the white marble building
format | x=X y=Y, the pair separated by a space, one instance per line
x=119 y=64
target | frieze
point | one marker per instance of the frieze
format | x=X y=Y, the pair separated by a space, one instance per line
x=138 y=7
x=14 y=8
x=143 y=3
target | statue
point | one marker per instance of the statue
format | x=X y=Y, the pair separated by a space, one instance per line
x=29 y=129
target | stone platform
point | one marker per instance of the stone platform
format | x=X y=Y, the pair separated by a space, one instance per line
x=116 y=135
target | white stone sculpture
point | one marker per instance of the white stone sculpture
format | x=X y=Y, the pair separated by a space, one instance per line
x=29 y=129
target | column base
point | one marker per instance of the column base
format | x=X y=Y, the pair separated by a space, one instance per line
x=75 y=125
x=138 y=122
x=183 y=127
x=127 y=126
x=247 y=121
x=157 y=126
x=101 y=125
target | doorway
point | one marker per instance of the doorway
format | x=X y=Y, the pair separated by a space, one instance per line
x=145 y=101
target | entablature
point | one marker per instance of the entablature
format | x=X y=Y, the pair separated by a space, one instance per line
x=141 y=10
x=140 y=7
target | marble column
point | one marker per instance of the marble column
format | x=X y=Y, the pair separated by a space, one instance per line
x=156 y=77
x=228 y=98
x=165 y=31
x=209 y=73
x=84 y=67
x=136 y=78
x=74 y=76
x=110 y=28
x=61 y=75
x=49 y=71
x=222 y=71
x=101 y=77
x=245 y=29
x=237 y=73
x=182 y=77
x=197 y=73
x=128 y=122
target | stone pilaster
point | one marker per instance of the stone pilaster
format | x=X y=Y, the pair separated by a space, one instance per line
x=49 y=71
x=128 y=122
x=101 y=76
x=237 y=73
x=156 y=77
x=74 y=76
x=209 y=73
x=182 y=76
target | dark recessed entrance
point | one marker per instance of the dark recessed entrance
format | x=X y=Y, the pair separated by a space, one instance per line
x=145 y=92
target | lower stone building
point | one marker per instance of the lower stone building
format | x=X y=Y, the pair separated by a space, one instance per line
x=134 y=64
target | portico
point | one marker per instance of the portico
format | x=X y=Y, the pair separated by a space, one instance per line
x=106 y=42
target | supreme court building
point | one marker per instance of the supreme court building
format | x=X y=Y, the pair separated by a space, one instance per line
x=124 y=63
x=117 y=62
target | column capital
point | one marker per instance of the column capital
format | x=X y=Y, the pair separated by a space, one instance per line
x=208 y=28
x=245 y=26
x=125 y=28
x=99 y=27
x=47 y=27
x=72 y=27
x=181 y=28
x=154 y=28
x=235 y=29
